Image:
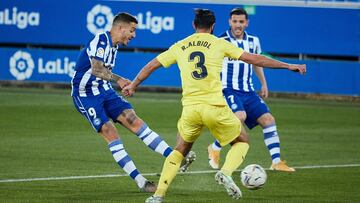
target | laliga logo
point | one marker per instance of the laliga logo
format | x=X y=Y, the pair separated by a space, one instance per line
x=21 y=65
x=99 y=19
x=19 y=18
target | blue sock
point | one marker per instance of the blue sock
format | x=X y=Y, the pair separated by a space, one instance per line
x=125 y=162
x=153 y=140
x=216 y=146
x=272 y=142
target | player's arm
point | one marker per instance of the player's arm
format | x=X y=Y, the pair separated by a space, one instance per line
x=263 y=61
x=144 y=73
x=100 y=71
x=260 y=74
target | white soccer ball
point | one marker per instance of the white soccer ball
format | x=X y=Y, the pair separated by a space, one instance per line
x=253 y=176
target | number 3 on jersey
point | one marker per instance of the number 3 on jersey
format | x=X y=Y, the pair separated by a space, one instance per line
x=202 y=72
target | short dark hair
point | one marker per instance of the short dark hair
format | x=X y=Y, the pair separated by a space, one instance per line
x=124 y=17
x=239 y=11
x=204 y=18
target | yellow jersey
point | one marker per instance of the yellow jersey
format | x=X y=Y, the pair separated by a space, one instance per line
x=199 y=58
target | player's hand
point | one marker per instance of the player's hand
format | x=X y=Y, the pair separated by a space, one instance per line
x=128 y=90
x=123 y=82
x=264 y=93
x=301 y=68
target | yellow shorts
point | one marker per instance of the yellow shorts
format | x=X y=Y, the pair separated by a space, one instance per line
x=221 y=121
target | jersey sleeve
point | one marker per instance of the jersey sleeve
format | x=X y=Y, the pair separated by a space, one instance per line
x=257 y=46
x=98 y=46
x=231 y=50
x=167 y=58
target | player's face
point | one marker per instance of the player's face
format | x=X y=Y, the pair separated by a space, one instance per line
x=238 y=24
x=127 y=32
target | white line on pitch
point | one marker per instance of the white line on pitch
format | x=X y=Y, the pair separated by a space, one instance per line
x=154 y=174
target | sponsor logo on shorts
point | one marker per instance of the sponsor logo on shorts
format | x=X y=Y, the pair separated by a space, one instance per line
x=97 y=121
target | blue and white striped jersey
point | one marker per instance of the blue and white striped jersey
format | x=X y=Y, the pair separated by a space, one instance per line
x=85 y=84
x=237 y=74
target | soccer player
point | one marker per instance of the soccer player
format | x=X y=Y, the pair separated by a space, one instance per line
x=199 y=58
x=240 y=95
x=97 y=101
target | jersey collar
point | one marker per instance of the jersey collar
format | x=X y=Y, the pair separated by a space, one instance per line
x=110 y=40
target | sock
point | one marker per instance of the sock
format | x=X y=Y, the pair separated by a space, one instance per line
x=125 y=162
x=272 y=142
x=170 y=168
x=216 y=146
x=235 y=157
x=153 y=140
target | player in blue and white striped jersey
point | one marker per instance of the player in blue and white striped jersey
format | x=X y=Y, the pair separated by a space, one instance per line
x=97 y=101
x=238 y=89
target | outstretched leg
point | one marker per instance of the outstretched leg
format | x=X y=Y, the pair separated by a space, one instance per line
x=110 y=134
x=131 y=121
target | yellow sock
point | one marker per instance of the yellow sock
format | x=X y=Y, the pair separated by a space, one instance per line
x=235 y=157
x=170 y=168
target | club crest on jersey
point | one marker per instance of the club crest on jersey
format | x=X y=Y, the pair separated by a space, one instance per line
x=100 y=52
x=251 y=45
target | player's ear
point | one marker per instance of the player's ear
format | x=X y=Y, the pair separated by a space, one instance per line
x=212 y=28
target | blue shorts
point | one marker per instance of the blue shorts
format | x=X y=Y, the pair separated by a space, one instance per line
x=250 y=102
x=98 y=109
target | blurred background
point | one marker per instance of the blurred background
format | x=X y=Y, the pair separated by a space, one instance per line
x=49 y=153
x=40 y=40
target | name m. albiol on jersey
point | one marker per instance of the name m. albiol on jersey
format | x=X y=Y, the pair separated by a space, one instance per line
x=205 y=44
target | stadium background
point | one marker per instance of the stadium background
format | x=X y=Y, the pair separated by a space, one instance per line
x=49 y=153
x=40 y=40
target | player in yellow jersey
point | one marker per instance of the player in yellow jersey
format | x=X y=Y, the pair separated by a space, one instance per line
x=200 y=58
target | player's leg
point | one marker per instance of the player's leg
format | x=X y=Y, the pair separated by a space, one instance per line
x=110 y=134
x=171 y=167
x=272 y=142
x=234 y=100
x=239 y=148
x=215 y=148
x=189 y=126
x=226 y=127
x=131 y=121
x=121 y=111
x=93 y=111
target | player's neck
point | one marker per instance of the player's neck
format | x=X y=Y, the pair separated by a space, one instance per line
x=201 y=30
x=114 y=41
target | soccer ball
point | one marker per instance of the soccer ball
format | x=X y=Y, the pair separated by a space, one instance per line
x=253 y=176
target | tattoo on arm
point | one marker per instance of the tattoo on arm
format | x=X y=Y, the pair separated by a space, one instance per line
x=100 y=71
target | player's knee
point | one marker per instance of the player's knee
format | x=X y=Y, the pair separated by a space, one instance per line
x=109 y=132
x=241 y=116
x=241 y=138
x=130 y=117
x=267 y=120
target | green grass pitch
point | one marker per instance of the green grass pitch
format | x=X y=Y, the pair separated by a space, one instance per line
x=42 y=136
